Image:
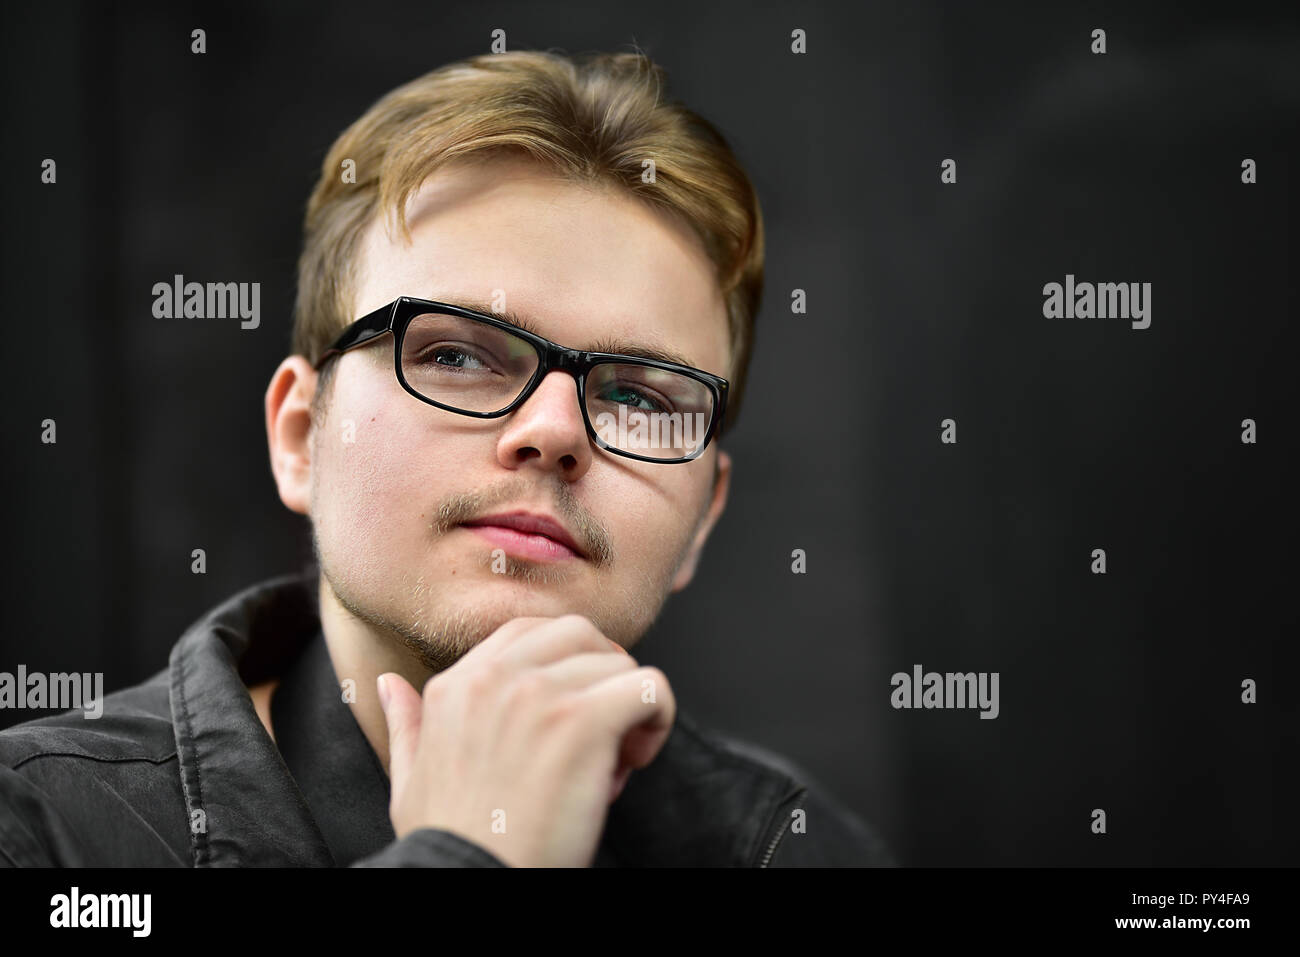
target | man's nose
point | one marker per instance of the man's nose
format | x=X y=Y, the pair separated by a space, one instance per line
x=548 y=430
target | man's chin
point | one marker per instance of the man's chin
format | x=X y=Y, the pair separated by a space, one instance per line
x=480 y=608
x=443 y=635
x=516 y=600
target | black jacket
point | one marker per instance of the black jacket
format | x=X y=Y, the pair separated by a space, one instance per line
x=179 y=771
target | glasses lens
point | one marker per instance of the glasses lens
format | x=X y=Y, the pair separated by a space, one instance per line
x=466 y=364
x=656 y=413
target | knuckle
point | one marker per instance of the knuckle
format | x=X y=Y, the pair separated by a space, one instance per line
x=562 y=711
x=434 y=699
x=585 y=632
x=431 y=693
x=480 y=682
x=624 y=662
x=527 y=688
x=578 y=624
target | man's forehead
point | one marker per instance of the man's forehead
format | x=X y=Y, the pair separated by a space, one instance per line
x=587 y=268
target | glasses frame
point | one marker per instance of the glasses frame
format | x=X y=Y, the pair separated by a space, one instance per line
x=397 y=315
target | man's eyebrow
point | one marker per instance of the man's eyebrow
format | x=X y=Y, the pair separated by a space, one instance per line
x=619 y=346
x=505 y=315
x=625 y=348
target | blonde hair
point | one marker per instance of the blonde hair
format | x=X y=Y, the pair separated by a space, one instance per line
x=593 y=118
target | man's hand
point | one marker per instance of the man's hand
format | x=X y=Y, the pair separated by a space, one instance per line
x=522 y=745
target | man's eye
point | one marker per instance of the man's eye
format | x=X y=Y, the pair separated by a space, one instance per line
x=454 y=356
x=628 y=396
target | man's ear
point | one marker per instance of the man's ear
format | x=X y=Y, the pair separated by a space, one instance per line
x=721 y=484
x=288 y=431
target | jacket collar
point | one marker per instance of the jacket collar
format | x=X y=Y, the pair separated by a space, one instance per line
x=700 y=800
x=329 y=758
x=243 y=805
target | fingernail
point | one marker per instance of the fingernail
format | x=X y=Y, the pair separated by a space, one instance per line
x=382 y=681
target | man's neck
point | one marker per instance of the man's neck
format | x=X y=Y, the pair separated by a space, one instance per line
x=357 y=653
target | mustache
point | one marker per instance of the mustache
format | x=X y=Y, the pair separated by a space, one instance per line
x=590 y=533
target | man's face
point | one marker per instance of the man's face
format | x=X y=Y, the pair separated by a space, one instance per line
x=391 y=477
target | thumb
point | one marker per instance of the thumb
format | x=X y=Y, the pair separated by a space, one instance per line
x=402 y=706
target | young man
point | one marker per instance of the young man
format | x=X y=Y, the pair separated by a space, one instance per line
x=525 y=307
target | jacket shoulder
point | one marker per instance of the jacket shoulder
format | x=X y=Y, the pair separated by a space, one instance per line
x=811 y=827
x=134 y=725
x=77 y=790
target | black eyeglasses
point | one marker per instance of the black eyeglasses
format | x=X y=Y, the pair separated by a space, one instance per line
x=474 y=364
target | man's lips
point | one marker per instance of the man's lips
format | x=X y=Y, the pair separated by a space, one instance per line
x=528 y=535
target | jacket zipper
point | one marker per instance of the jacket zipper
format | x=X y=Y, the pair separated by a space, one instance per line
x=780 y=833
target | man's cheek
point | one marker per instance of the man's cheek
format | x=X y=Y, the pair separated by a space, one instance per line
x=369 y=461
x=654 y=535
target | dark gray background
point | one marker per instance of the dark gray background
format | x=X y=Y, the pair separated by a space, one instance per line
x=1118 y=691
